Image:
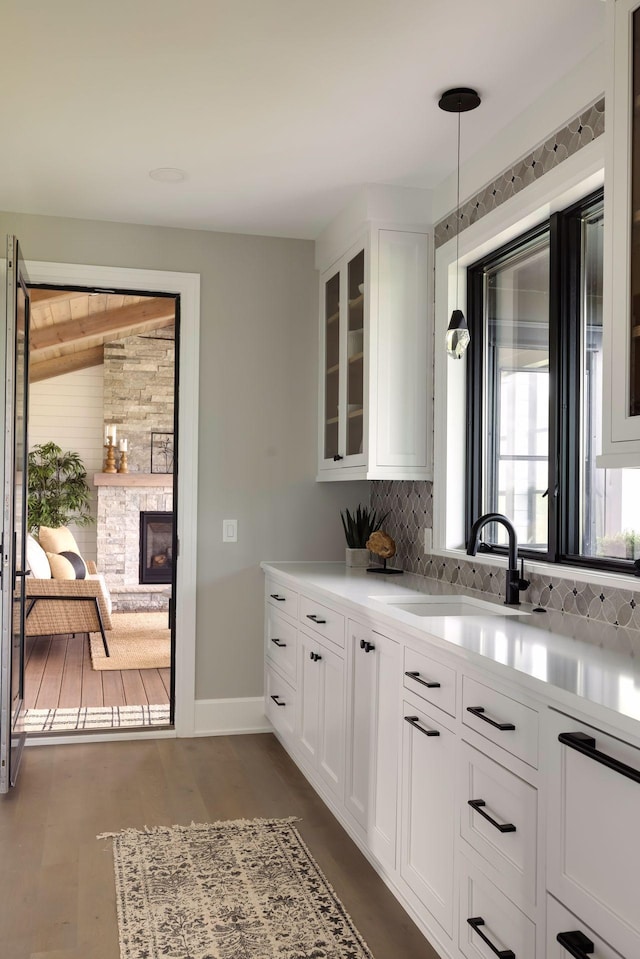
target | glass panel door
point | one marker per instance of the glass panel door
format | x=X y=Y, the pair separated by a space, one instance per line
x=14 y=349
x=332 y=366
x=355 y=355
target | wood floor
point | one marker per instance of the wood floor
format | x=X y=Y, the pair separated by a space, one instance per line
x=58 y=673
x=57 y=894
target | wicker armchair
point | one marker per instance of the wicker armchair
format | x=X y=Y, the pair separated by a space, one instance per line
x=56 y=606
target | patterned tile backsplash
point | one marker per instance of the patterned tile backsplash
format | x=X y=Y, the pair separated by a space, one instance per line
x=410 y=509
x=563 y=143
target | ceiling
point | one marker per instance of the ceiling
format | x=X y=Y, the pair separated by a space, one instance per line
x=68 y=329
x=276 y=109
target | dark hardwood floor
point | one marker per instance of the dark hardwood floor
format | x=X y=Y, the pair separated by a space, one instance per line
x=58 y=672
x=57 y=892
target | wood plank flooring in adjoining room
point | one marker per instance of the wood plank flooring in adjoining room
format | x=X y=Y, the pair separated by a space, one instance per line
x=58 y=673
x=57 y=891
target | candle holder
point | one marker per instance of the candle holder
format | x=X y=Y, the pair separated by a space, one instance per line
x=123 y=467
x=110 y=463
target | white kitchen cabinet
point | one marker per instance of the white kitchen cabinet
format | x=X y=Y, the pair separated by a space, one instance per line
x=569 y=936
x=429 y=752
x=280 y=704
x=489 y=924
x=375 y=359
x=593 y=836
x=621 y=321
x=371 y=794
x=321 y=709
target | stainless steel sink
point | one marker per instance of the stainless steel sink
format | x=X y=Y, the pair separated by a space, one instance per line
x=449 y=606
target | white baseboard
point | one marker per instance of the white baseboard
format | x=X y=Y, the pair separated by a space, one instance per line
x=228 y=717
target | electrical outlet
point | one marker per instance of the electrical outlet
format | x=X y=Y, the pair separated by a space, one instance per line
x=428 y=539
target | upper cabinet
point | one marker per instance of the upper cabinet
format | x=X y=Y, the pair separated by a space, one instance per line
x=375 y=357
x=621 y=345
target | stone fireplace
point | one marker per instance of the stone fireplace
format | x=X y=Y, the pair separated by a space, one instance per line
x=156 y=546
x=121 y=500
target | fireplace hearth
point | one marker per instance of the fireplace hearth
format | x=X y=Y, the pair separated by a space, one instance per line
x=156 y=547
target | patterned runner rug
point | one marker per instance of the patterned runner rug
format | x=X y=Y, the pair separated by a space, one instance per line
x=247 y=889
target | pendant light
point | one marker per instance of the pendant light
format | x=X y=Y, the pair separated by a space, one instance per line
x=459 y=100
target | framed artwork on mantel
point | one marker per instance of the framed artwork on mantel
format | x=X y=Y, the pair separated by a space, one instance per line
x=162 y=452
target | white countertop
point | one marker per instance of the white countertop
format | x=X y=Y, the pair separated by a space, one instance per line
x=544 y=648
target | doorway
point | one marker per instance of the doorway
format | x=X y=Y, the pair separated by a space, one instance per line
x=103 y=389
x=186 y=286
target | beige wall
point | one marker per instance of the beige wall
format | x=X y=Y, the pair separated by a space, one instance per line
x=257 y=433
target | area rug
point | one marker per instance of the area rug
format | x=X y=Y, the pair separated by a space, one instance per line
x=66 y=719
x=137 y=641
x=247 y=889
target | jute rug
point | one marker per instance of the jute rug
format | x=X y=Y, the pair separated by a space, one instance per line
x=137 y=641
x=247 y=889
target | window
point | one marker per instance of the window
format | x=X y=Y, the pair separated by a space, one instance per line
x=534 y=398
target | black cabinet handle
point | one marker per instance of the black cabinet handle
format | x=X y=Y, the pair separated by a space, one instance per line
x=413 y=721
x=337 y=458
x=415 y=675
x=314 y=657
x=315 y=618
x=479 y=712
x=502 y=953
x=366 y=646
x=478 y=805
x=586 y=745
x=276 y=642
x=576 y=944
x=276 y=701
x=278 y=598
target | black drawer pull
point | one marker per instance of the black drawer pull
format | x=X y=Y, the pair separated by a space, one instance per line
x=315 y=619
x=315 y=657
x=368 y=647
x=576 y=944
x=276 y=701
x=586 y=745
x=479 y=712
x=414 y=674
x=278 y=599
x=276 y=642
x=502 y=953
x=413 y=721
x=478 y=805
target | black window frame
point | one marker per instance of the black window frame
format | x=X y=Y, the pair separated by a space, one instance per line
x=565 y=231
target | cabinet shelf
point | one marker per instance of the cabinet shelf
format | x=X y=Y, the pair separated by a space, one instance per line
x=333 y=369
x=355 y=358
x=334 y=419
x=357 y=301
x=354 y=414
x=333 y=318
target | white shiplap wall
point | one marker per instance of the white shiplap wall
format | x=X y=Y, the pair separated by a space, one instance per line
x=68 y=410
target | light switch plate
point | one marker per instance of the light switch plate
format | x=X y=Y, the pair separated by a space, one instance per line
x=229 y=530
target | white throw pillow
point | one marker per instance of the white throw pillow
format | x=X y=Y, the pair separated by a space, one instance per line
x=37 y=559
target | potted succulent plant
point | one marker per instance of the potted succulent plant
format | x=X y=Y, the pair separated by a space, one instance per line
x=358 y=527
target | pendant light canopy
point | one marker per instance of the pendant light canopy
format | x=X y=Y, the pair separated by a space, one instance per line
x=459 y=100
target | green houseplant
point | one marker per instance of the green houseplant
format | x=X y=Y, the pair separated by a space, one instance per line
x=358 y=527
x=58 y=490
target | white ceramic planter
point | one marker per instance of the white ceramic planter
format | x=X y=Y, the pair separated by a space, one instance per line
x=357 y=557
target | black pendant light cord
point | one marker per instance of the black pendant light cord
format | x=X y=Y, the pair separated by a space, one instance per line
x=458 y=221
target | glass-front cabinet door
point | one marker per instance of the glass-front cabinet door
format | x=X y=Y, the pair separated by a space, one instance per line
x=342 y=405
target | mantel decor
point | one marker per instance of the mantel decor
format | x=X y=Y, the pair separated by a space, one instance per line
x=162 y=452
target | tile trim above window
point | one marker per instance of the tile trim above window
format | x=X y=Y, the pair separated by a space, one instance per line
x=567 y=140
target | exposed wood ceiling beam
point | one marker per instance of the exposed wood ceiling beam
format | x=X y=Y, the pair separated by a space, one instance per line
x=160 y=309
x=41 y=298
x=69 y=363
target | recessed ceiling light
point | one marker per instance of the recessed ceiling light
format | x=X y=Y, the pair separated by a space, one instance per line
x=168 y=174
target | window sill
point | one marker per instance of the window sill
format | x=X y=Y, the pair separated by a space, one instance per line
x=578 y=574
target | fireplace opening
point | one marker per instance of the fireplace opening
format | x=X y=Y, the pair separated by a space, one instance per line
x=156 y=547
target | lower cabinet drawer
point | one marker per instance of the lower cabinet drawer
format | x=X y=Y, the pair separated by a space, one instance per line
x=280 y=704
x=430 y=679
x=569 y=936
x=593 y=829
x=490 y=924
x=502 y=720
x=324 y=620
x=282 y=598
x=499 y=818
x=282 y=641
